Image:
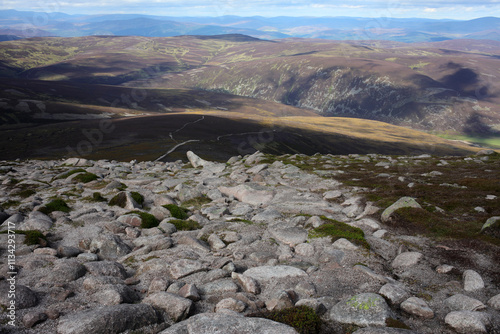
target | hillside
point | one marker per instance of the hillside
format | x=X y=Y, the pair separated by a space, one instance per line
x=445 y=88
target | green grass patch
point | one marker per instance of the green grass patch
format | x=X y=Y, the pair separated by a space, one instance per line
x=185 y=225
x=148 y=220
x=25 y=193
x=492 y=141
x=33 y=237
x=9 y=203
x=302 y=318
x=197 y=202
x=96 y=197
x=56 y=204
x=336 y=230
x=85 y=177
x=177 y=211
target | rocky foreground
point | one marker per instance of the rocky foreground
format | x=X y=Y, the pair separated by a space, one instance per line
x=155 y=247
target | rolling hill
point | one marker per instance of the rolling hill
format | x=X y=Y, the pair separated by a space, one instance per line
x=243 y=87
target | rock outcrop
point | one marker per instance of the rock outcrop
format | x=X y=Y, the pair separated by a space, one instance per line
x=207 y=247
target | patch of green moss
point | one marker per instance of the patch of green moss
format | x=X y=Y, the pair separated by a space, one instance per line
x=336 y=230
x=85 y=177
x=177 y=211
x=148 y=220
x=137 y=197
x=56 y=204
x=97 y=197
x=302 y=318
x=185 y=225
x=119 y=200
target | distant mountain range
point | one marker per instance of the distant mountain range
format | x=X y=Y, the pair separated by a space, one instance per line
x=22 y=24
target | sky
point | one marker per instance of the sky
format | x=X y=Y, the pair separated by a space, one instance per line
x=437 y=9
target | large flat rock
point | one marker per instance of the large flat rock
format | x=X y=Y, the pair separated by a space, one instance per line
x=267 y=273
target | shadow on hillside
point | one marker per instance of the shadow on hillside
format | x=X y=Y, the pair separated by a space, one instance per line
x=466 y=82
x=217 y=138
x=100 y=74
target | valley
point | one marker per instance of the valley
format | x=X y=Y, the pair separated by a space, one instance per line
x=312 y=95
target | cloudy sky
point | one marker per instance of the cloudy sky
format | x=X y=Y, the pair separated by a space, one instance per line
x=454 y=9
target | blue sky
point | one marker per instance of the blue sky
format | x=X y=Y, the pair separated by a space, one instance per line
x=457 y=9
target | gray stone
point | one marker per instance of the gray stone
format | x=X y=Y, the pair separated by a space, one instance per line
x=366 y=309
x=282 y=300
x=333 y=194
x=215 y=242
x=492 y=226
x=176 y=307
x=217 y=323
x=184 y=267
x=318 y=307
x=467 y=322
x=109 y=247
x=472 y=281
x=367 y=224
x=106 y=268
x=407 y=259
x=394 y=293
x=218 y=287
x=248 y=284
x=65 y=271
x=494 y=302
x=267 y=216
x=291 y=236
x=417 y=306
x=158 y=284
x=32 y=318
x=404 y=202
x=87 y=257
x=344 y=244
x=68 y=251
x=248 y=194
x=189 y=291
x=461 y=302
x=167 y=227
x=195 y=160
x=230 y=304
x=25 y=297
x=194 y=243
x=304 y=249
x=382 y=247
x=269 y=273
x=108 y=319
x=37 y=221
x=156 y=242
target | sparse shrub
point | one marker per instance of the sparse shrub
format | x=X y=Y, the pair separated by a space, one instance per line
x=148 y=220
x=185 y=225
x=85 y=177
x=55 y=205
x=25 y=193
x=302 y=318
x=177 y=211
x=336 y=230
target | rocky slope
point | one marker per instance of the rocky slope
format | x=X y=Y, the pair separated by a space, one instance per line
x=156 y=247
